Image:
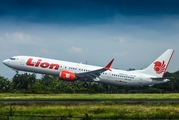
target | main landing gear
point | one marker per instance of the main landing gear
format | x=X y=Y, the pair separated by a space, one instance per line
x=79 y=84
x=17 y=72
x=85 y=85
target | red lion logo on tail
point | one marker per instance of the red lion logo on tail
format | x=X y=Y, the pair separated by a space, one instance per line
x=159 y=67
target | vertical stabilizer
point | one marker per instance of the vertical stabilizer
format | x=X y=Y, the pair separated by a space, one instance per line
x=159 y=66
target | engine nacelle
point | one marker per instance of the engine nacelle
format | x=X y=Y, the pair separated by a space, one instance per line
x=67 y=76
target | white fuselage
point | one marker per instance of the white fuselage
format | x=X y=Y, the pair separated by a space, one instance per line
x=54 y=67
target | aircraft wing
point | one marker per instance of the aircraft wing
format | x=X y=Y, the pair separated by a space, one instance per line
x=93 y=75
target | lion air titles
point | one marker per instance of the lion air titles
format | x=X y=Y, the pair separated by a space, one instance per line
x=42 y=64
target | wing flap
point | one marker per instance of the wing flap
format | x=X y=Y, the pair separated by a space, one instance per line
x=94 y=75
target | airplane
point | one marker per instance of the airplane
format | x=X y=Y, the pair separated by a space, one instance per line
x=71 y=71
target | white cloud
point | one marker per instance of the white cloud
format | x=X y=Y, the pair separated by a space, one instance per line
x=1 y=39
x=9 y=52
x=22 y=38
x=120 y=54
x=75 y=50
x=44 y=52
x=18 y=37
x=121 y=39
x=65 y=40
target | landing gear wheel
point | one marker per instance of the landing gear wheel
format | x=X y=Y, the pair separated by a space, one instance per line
x=17 y=72
x=85 y=85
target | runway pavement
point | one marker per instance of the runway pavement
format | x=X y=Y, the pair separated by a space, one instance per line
x=90 y=100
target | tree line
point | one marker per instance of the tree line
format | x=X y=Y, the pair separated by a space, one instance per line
x=28 y=83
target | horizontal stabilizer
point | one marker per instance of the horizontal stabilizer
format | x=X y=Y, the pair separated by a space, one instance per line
x=162 y=78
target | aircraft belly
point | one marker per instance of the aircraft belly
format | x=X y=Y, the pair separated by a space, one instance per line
x=118 y=82
x=42 y=70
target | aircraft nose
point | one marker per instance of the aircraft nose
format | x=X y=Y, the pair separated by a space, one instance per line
x=6 y=62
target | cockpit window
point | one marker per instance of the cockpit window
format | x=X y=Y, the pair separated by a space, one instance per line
x=13 y=58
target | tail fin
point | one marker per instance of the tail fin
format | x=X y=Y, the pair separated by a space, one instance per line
x=159 y=66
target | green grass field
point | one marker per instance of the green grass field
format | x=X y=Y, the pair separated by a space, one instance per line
x=94 y=110
x=97 y=110
x=89 y=96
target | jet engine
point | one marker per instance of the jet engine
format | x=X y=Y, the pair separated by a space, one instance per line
x=67 y=76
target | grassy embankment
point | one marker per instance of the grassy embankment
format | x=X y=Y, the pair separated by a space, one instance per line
x=106 y=109
x=88 y=96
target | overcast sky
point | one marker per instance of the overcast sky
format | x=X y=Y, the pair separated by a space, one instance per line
x=134 y=32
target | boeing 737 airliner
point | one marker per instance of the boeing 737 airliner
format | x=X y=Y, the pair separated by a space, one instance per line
x=70 y=71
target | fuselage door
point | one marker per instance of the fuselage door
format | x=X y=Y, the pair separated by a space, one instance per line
x=109 y=74
x=22 y=61
x=140 y=79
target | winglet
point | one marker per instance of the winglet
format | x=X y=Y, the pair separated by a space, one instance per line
x=107 y=67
